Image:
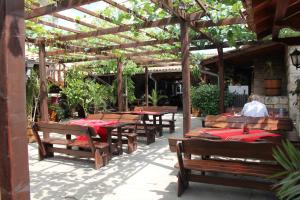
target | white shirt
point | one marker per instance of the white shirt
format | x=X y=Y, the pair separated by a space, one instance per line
x=255 y=109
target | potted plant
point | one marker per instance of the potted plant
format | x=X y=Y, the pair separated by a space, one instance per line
x=289 y=158
x=155 y=97
x=205 y=99
x=32 y=93
x=272 y=83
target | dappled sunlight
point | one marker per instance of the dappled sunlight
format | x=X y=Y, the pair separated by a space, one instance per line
x=147 y=173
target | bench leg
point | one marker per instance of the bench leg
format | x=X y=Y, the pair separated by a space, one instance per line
x=49 y=154
x=98 y=159
x=182 y=185
x=132 y=144
x=172 y=127
x=41 y=155
x=150 y=137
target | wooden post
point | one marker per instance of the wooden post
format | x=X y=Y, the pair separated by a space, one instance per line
x=146 y=86
x=186 y=101
x=43 y=83
x=221 y=80
x=126 y=94
x=120 y=85
x=14 y=172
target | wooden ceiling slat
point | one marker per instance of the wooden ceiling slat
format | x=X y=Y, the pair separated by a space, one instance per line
x=59 y=6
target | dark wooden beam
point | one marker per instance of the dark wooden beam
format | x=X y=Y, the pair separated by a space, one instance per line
x=59 y=6
x=120 y=85
x=186 y=79
x=119 y=29
x=183 y=16
x=221 y=80
x=146 y=86
x=134 y=45
x=223 y=22
x=281 y=8
x=43 y=83
x=55 y=26
x=132 y=12
x=101 y=50
x=14 y=172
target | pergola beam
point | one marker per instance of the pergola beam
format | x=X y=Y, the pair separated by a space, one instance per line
x=100 y=50
x=129 y=11
x=119 y=29
x=59 y=6
x=281 y=8
x=183 y=16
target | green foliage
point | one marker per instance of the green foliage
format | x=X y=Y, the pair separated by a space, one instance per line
x=32 y=92
x=155 y=97
x=205 y=97
x=289 y=158
x=85 y=92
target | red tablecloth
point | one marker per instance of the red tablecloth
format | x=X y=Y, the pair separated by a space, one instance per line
x=96 y=124
x=238 y=135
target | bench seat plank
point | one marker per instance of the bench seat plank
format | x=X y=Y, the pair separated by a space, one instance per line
x=240 y=168
x=75 y=143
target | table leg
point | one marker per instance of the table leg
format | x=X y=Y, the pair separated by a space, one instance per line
x=109 y=141
x=160 y=127
x=119 y=143
x=154 y=124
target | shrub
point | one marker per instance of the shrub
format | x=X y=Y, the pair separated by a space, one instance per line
x=205 y=97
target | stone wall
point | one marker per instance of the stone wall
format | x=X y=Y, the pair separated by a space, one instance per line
x=275 y=102
x=279 y=71
x=292 y=75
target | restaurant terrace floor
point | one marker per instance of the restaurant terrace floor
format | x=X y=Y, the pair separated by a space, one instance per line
x=147 y=174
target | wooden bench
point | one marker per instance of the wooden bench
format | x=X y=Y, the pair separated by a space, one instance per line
x=91 y=148
x=167 y=123
x=129 y=133
x=244 y=160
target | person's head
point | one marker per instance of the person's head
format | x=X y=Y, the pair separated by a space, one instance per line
x=253 y=97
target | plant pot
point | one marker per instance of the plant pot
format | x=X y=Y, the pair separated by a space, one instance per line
x=30 y=135
x=272 y=87
x=196 y=112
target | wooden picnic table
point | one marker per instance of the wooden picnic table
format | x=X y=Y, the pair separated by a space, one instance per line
x=226 y=134
x=104 y=130
x=145 y=117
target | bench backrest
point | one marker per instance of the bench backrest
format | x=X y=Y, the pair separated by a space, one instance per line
x=130 y=118
x=171 y=109
x=233 y=149
x=95 y=116
x=116 y=117
x=266 y=123
x=64 y=129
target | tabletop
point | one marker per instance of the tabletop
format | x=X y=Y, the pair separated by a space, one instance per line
x=157 y=113
x=98 y=125
x=230 y=134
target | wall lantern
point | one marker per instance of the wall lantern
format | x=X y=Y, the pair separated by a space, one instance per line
x=295 y=56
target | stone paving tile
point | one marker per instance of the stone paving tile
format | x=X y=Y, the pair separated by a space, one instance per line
x=147 y=174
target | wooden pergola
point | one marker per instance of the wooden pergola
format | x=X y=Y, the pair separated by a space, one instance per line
x=14 y=177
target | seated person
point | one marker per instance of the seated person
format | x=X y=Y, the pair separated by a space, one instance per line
x=254 y=108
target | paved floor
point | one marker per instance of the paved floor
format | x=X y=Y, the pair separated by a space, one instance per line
x=146 y=174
